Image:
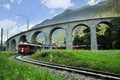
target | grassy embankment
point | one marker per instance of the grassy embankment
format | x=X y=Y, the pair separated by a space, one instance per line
x=108 y=61
x=13 y=70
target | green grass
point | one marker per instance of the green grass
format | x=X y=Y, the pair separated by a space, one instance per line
x=11 y=69
x=108 y=61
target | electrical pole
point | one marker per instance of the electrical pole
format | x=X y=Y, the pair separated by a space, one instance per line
x=7 y=33
x=27 y=20
x=1 y=38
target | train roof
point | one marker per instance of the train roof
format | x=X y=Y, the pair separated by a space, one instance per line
x=28 y=44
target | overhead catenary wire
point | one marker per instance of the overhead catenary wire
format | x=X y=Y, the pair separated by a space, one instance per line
x=12 y=12
x=34 y=11
x=1 y=3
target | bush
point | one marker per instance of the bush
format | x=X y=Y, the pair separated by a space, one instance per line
x=3 y=48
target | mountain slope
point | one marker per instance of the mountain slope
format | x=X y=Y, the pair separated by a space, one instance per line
x=110 y=8
x=71 y=15
x=103 y=9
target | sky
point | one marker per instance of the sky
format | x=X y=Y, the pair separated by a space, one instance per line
x=14 y=14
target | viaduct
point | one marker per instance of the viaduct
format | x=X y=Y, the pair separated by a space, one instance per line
x=68 y=27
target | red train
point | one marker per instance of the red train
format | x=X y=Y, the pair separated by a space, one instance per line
x=26 y=48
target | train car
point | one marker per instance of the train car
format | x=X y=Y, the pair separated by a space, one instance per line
x=60 y=47
x=81 y=47
x=43 y=47
x=76 y=47
x=27 y=49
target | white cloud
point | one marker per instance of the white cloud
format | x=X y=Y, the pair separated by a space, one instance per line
x=22 y=28
x=35 y=23
x=52 y=11
x=7 y=23
x=13 y=31
x=93 y=2
x=11 y=1
x=10 y=25
x=14 y=28
x=7 y=6
x=19 y=1
x=31 y=25
x=54 y=4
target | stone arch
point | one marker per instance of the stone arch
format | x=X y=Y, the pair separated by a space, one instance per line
x=103 y=35
x=80 y=25
x=55 y=29
x=33 y=38
x=105 y=22
x=82 y=33
x=23 y=39
x=13 y=45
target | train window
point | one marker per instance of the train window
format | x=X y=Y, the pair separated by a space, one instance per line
x=53 y=47
x=44 y=47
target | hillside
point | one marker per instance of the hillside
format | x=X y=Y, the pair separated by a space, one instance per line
x=110 y=8
x=107 y=8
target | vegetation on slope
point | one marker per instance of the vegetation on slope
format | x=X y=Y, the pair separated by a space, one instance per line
x=110 y=8
x=108 y=61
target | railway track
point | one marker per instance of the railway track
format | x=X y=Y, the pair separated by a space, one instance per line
x=94 y=73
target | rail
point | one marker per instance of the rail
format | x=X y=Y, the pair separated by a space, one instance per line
x=94 y=73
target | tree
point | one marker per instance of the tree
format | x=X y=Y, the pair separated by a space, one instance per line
x=77 y=40
x=82 y=40
x=3 y=48
x=116 y=32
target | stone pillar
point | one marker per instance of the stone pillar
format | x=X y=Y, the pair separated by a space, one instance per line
x=7 y=46
x=69 y=39
x=47 y=38
x=94 y=45
x=29 y=38
x=17 y=42
x=10 y=45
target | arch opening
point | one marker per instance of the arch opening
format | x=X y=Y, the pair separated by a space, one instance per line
x=38 y=38
x=23 y=39
x=104 y=38
x=58 y=37
x=13 y=45
x=110 y=39
x=81 y=37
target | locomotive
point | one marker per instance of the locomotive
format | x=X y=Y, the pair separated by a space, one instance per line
x=26 y=48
